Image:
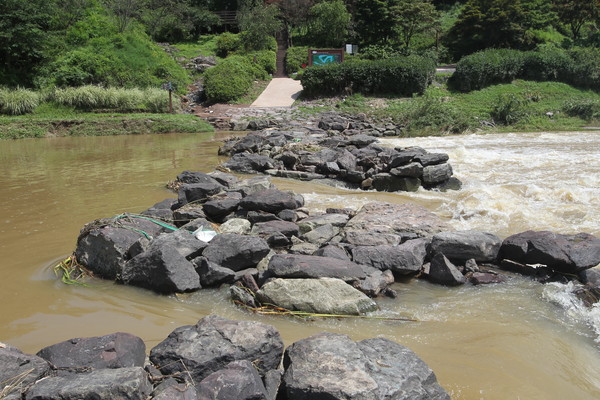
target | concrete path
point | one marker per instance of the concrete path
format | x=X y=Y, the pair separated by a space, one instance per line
x=281 y=92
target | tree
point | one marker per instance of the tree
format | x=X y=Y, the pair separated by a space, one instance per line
x=177 y=20
x=328 y=24
x=258 y=25
x=124 y=11
x=374 y=21
x=576 y=13
x=488 y=23
x=24 y=27
x=412 y=17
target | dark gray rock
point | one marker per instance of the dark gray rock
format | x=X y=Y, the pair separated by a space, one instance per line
x=313 y=222
x=375 y=283
x=332 y=366
x=170 y=389
x=272 y=382
x=198 y=192
x=361 y=140
x=272 y=201
x=256 y=217
x=218 y=208
x=236 y=252
x=187 y=213
x=303 y=266
x=199 y=350
x=346 y=160
x=121 y=383
x=435 y=174
x=225 y=179
x=196 y=177
x=320 y=296
x=103 y=245
x=266 y=229
x=162 y=269
x=117 y=350
x=406 y=258
x=251 y=163
x=463 y=245
x=19 y=371
x=162 y=211
x=564 y=253
x=212 y=274
x=385 y=182
x=431 y=158
x=183 y=241
x=442 y=271
x=242 y=296
x=591 y=276
x=288 y=215
x=321 y=235
x=238 y=380
x=332 y=251
x=411 y=170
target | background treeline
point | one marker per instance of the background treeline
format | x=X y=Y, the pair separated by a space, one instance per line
x=117 y=43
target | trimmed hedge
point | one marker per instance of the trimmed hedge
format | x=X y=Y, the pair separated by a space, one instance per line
x=400 y=76
x=578 y=67
x=295 y=57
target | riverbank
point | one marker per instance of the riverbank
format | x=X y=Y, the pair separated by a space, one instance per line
x=98 y=124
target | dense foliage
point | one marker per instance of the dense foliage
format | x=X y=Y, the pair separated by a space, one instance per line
x=400 y=76
x=578 y=67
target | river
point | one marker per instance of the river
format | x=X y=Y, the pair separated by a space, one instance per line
x=518 y=340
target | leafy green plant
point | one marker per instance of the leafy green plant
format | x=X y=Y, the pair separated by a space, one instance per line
x=228 y=43
x=509 y=109
x=295 y=58
x=586 y=109
x=228 y=80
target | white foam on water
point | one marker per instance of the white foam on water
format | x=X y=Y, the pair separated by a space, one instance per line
x=575 y=311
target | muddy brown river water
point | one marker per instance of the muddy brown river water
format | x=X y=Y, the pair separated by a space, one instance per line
x=519 y=340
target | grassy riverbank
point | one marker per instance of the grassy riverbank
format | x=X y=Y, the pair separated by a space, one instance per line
x=519 y=106
x=49 y=121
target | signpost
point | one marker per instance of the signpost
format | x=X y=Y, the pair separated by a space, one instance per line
x=170 y=87
x=325 y=56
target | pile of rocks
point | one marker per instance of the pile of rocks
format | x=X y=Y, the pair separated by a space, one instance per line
x=352 y=158
x=249 y=232
x=218 y=359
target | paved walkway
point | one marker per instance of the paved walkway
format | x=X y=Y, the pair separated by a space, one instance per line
x=281 y=92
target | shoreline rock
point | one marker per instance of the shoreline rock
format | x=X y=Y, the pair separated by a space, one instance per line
x=224 y=359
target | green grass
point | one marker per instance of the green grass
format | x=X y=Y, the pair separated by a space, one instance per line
x=51 y=120
x=206 y=45
x=533 y=106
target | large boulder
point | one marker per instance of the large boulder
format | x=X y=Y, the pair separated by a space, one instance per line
x=313 y=222
x=387 y=220
x=193 y=192
x=251 y=163
x=332 y=366
x=443 y=272
x=319 y=296
x=239 y=380
x=196 y=351
x=404 y=259
x=235 y=251
x=464 y=245
x=117 y=350
x=103 y=245
x=271 y=201
x=305 y=266
x=162 y=269
x=121 y=383
x=434 y=174
x=563 y=253
x=19 y=371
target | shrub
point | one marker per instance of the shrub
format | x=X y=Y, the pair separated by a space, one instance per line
x=486 y=68
x=228 y=80
x=509 y=109
x=578 y=67
x=18 y=101
x=228 y=43
x=586 y=109
x=295 y=58
x=265 y=59
x=377 y=52
x=399 y=76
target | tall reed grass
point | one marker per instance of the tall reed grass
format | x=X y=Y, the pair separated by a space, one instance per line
x=18 y=101
x=115 y=99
